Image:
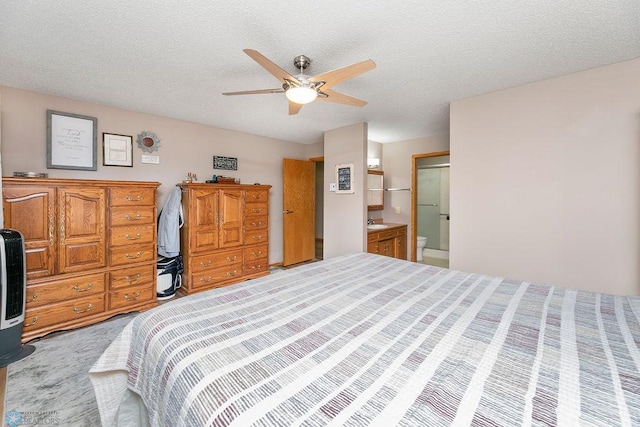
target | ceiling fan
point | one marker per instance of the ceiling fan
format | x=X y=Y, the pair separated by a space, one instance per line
x=302 y=89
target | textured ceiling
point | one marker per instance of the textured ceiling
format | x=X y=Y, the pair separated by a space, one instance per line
x=175 y=58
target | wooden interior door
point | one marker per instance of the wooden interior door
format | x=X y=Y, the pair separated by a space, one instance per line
x=299 y=210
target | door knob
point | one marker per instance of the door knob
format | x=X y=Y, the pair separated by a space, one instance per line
x=287 y=211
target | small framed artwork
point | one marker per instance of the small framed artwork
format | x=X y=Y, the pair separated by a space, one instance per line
x=71 y=141
x=118 y=150
x=344 y=179
x=226 y=163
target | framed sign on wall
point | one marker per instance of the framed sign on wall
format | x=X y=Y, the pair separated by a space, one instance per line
x=344 y=178
x=71 y=141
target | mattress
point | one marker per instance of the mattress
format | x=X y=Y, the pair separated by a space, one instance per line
x=363 y=339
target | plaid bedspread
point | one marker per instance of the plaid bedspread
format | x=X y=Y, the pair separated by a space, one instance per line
x=370 y=340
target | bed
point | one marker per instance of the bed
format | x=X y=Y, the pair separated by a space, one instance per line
x=364 y=339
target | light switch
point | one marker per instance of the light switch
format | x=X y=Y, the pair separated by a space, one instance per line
x=397 y=209
x=332 y=186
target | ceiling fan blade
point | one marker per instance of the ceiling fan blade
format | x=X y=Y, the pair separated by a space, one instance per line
x=294 y=108
x=332 y=78
x=340 y=98
x=255 y=92
x=272 y=68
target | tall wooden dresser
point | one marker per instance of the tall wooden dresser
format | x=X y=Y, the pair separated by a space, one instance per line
x=225 y=237
x=90 y=248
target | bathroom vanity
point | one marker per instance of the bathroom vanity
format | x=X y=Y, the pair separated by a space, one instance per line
x=387 y=239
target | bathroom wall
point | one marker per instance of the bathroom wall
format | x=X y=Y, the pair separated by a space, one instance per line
x=397 y=174
x=433 y=188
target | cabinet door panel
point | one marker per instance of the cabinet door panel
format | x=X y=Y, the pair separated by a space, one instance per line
x=203 y=218
x=231 y=218
x=401 y=250
x=82 y=231
x=31 y=211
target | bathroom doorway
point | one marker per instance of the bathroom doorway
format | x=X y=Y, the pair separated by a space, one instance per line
x=430 y=214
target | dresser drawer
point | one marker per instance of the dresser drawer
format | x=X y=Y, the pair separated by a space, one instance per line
x=256 y=222
x=387 y=234
x=131 y=276
x=253 y=196
x=256 y=252
x=132 y=234
x=132 y=254
x=215 y=260
x=255 y=209
x=132 y=215
x=256 y=266
x=217 y=275
x=256 y=236
x=67 y=289
x=131 y=296
x=132 y=196
x=65 y=311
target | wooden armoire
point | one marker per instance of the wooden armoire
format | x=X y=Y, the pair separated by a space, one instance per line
x=90 y=248
x=225 y=237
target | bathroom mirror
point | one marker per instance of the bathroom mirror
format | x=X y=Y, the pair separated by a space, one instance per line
x=375 y=190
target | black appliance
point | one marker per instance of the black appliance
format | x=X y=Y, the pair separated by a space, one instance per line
x=13 y=288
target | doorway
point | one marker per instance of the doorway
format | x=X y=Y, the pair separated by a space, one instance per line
x=430 y=214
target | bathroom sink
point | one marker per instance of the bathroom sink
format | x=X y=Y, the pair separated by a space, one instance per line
x=376 y=226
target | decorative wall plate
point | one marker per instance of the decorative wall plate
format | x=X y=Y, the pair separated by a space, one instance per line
x=148 y=141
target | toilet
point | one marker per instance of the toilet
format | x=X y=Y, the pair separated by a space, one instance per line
x=421 y=242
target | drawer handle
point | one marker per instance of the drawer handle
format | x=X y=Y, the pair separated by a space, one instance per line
x=35 y=296
x=257 y=196
x=256 y=254
x=256 y=210
x=205 y=264
x=230 y=259
x=78 y=311
x=137 y=236
x=207 y=280
x=257 y=237
x=34 y=321
x=256 y=224
x=135 y=218
x=229 y=273
x=256 y=267
x=132 y=280
x=132 y=199
x=138 y=255
x=77 y=288
x=134 y=298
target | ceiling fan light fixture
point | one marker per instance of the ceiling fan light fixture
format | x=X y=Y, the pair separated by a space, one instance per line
x=301 y=94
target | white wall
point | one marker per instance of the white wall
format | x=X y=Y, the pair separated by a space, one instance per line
x=185 y=147
x=545 y=181
x=345 y=214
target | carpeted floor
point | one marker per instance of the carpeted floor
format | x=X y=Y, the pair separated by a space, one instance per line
x=51 y=387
